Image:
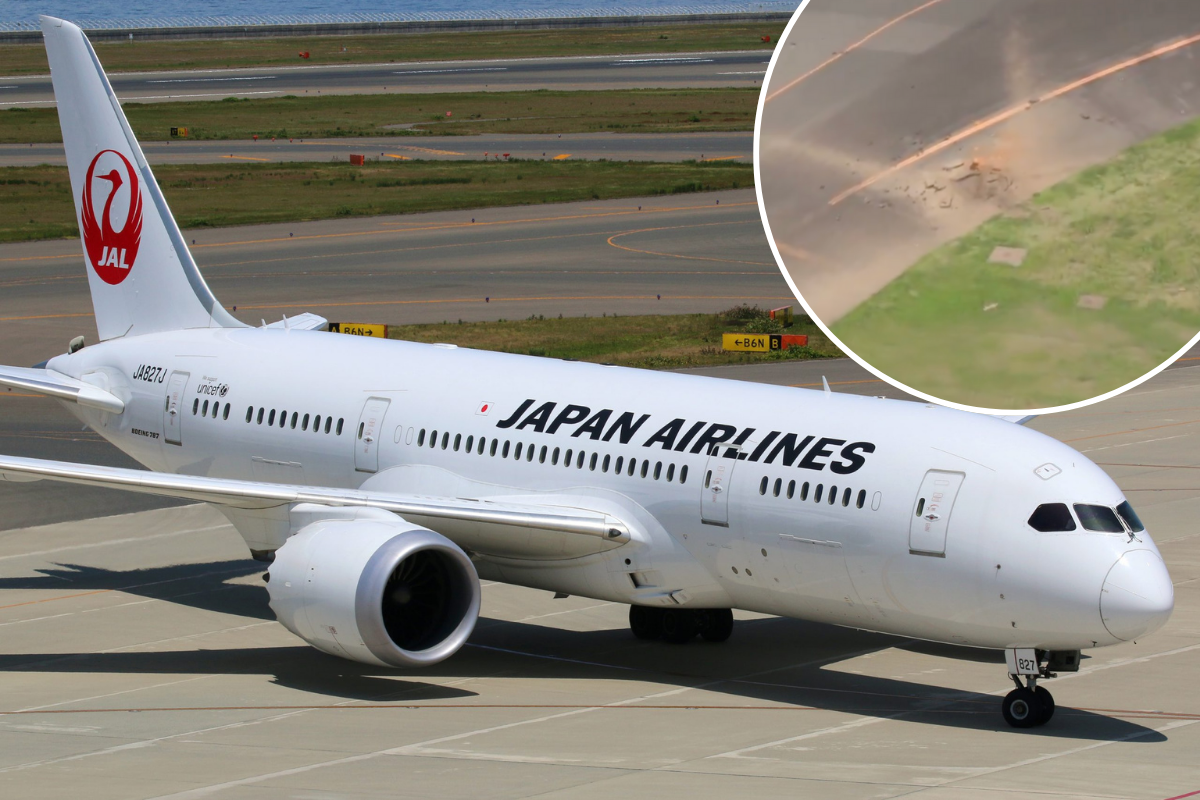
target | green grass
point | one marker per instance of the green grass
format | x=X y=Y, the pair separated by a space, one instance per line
x=652 y=342
x=1126 y=231
x=383 y=48
x=35 y=202
x=309 y=117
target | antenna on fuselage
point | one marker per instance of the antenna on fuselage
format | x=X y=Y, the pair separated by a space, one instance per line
x=825 y=383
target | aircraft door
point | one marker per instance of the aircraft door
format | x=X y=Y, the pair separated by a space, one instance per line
x=366 y=437
x=714 y=499
x=173 y=407
x=930 y=521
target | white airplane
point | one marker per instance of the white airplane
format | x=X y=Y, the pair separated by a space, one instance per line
x=382 y=479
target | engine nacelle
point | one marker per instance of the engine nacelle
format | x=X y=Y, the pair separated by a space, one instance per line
x=379 y=591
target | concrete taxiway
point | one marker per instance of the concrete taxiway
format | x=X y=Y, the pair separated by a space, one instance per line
x=644 y=71
x=139 y=659
x=892 y=127
x=715 y=146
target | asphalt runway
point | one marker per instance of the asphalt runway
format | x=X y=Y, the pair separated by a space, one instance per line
x=892 y=126
x=645 y=71
x=717 y=146
x=139 y=659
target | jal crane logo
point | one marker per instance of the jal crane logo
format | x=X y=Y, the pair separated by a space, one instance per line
x=110 y=251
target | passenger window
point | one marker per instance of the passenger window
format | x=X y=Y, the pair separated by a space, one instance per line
x=657 y=469
x=707 y=478
x=804 y=491
x=542 y=455
x=762 y=485
x=282 y=418
x=445 y=439
x=504 y=452
x=295 y=419
x=632 y=466
x=832 y=495
x=791 y=489
x=592 y=463
x=480 y=446
x=329 y=425
x=317 y=424
x=817 y=493
x=1101 y=519
x=249 y=413
x=421 y=438
x=604 y=464
x=778 y=486
x=620 y=465
x=529 y=452
x=1052 y=517
x=567 y=457
x=470 y=443
x=457 y=441
x=271 y=417
x=554 y=458
x=645 y=468
x=1130 y=517
x=195 y=406
x=339 y=427
x=683 y=474
x=517 y=452
x=226 y=414
x=670 y=472
x=361 y=426
x=920 y=506
x=433 y=439
x=846 y=497
x=304 y=425
x=862 y=497
x=492 y=450
x=579 y=460
x=261 y=413
x=204 y=412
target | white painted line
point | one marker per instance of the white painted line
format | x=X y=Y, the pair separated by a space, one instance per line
x=751 y=72
x=215 y=80
x=439 y=71
x=663 y=61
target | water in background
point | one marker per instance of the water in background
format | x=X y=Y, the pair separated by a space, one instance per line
x=22 y=14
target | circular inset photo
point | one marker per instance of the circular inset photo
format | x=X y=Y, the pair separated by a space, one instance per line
x=994 y=204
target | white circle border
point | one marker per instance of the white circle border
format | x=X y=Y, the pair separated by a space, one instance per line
x=762 y=212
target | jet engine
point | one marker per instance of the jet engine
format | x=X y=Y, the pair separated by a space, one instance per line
x=379 y=591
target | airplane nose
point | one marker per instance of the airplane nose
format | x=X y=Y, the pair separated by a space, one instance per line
x=1137 y=597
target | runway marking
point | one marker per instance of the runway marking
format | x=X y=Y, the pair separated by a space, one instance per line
x=214 y=80
x=1132 y=430
x=751 y=72
x=720 y=158
x=562 y=156
x=43 y=316
x=835 y=383
x=437 y=71
x=110 y=542
x=679 y=60
x=435 y=227
x=397 y=155
x=850 y=49
x=428 y=150
x=125 y=588
x=480 y=300
x=1009 y=113
x=677 y=255
x=246 y=158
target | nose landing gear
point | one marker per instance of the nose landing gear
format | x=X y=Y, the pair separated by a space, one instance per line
x=1030 y=705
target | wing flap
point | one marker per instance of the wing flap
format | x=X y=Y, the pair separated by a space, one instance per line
x=63 y=387
x=251 y=495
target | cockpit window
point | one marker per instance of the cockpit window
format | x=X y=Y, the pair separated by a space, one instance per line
x=1101 y=519
x=1130 y=517
x=1050 y=517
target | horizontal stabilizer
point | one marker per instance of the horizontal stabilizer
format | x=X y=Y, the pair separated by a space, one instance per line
x=301 y=322
x=55 y=384
x=254 y=495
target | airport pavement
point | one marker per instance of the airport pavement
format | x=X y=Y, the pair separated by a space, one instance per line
x=714 y=146
x=644 y=71
x=139 y=659
x=892 y=127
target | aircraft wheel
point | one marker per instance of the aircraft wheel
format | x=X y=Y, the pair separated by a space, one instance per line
x=646 y=623
x=717 y=625
x=1022 y=708
x=679 y=625
x=1047 y=702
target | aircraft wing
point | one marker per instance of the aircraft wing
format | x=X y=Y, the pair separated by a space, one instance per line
x=55 y=384
x=252 y=495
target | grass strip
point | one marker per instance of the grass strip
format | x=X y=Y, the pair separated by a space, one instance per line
x=36 y=202
x=329 y=116
x=651 y=341
x=1108 y=290
x=141 y=56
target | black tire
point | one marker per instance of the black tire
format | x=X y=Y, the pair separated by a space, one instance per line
x=1022 y=708
x=1047 y=702
x=717 y=625
x=646 y=623
x=679 y=625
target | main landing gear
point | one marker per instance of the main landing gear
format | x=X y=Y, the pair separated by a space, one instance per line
x=1030 y=705
x=680 y=625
